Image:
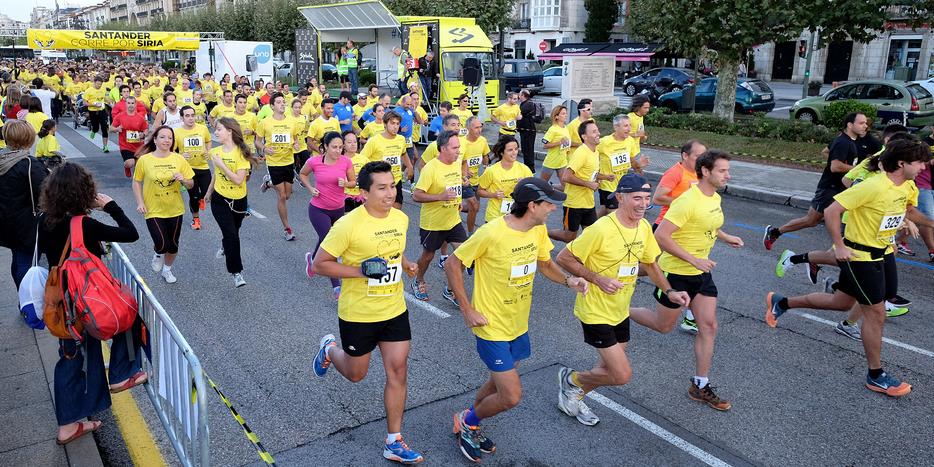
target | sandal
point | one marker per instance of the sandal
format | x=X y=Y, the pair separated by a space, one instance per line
x=139 y=378
x=81 y=431
x=420 y=290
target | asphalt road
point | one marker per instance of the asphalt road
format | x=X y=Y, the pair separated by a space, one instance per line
x=797 y=391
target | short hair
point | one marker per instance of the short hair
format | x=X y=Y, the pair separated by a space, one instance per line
x=688 y=145
x=890 y=130
x=378 y=105
x=344 y=95
x=165 y=97
x=526 y=93
x=19 y=134
x=449 y=118
x=274 y=96
x=371 y=87
x=557 y=110
x=582 y=130
x=470 y=120
x=390 y=116
x=37 y=82
x=446 y=105
x=122 y=87
x=328 y=101
x=512 y=94
x=365 y=177
x=239 y=96
x=619 y=119
x=444 y=138
x=904 y=150
x=851 y=118
x=188 y=107
x=708 y=160
x=638 y=101
x=584 y=103
x=227 y=91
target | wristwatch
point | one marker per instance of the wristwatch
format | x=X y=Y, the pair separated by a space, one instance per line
x=670 y=291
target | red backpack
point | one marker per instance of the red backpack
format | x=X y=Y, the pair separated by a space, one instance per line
x=91 y=294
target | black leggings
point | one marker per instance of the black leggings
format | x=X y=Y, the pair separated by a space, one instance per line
x=99 y=123
x=196 y=193
x=165 y=233
x=527 y=142
x=300 y=159
x=229 y=215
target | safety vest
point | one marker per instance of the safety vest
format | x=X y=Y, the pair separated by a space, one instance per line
x=400 y=66
x=351 y=56
x=342 y=66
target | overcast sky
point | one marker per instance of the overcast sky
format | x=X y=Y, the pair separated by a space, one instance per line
x=22 y=14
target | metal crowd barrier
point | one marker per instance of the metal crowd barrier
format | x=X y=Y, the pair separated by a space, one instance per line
x=176 y=387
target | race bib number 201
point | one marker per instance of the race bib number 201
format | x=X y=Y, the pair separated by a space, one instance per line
x=282 y=138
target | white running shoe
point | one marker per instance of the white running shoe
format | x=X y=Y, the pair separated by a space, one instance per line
x=157 y=262
x=849 y=330
x=784 y=263
x=220 y=253
x=569 y=396
x=238 y=280
x=168 y=276
x=585 y=415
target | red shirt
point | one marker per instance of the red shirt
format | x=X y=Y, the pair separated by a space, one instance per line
x=134 y=126
x=120 y=107
x=678 y=179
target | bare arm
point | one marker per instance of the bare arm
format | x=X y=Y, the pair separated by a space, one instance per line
x=662 y=196
x=568 y=176
x=327 y=265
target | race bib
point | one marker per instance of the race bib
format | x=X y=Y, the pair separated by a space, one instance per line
x=522 y=274
x=474 y=161
x=620 y=159
x=458 y=190
x=564 y=145
x=889 y=226
x=187 y=100
x=133 y=136
x=593 y=177
x=628 y=272
x=282 y=138
x=408 y=141
x=641 y=127
x=511 y=124
x=463 y=132
x=388 y=284
x=393 y=160
x=506 y=205
x=191 y=142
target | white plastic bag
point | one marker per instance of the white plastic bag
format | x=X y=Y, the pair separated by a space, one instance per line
x=32 y=291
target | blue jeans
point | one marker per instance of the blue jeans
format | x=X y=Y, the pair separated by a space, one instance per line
x=354 y=84
x=22 y=261
x=926 y=202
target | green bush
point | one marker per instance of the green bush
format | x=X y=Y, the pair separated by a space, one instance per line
x=756 y=126
x=367 y=77
x=836 y=111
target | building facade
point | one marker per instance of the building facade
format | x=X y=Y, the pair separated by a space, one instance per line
x=539 y=25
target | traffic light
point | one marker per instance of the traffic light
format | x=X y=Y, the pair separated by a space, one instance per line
x=802 y=48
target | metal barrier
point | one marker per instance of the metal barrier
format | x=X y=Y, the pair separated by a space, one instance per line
x=176 y=385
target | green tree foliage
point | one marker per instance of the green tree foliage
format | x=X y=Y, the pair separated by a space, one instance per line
x=490 y=15
x=601 y=16
x=723 y=29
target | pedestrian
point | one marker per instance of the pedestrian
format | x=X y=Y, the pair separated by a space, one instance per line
x=21 y=177
x=80 y=383
x=526 y=128
x=192 y=141
x=641 y=105
x=352 y=150
x=353 y=58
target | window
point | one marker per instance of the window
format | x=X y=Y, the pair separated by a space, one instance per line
x=556 y=71
x=523 y=10
x=546 y=14
x=452 y=63
x=622 y=12
x=880 y=92
x=846 y=92
x=707 y=86
x=519 y=49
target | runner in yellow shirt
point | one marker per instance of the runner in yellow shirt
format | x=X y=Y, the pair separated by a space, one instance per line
x=376 y=126
x=225 y=108
x=609 y=255
x=352 y=150
x=639 y=109
x=476 y=151
x=506 y=253
x=557 y=141
x=389 y=146
x=616 y=151
x=192 y=141
x=584 y=114
x=499 y=179
x=321 y=125
x=507 y=114
x=276 y=140
x=463 y=111
x=246 y=120
x=301 y=127
x=198 y=104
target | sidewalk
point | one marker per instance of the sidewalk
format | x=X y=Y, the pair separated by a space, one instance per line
x=27 y=413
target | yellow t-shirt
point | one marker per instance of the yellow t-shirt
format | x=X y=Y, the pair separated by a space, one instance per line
x=356 y=237
x=234 y=160
x=161 y=192
x=508 y=113
x=372 y=129
x=638 y=124
x=280 y=135
x=94 y=98
x=380 y=148
x=210 y=89
x=698 y=218
x=358 y=160
x=47 y=146
x=612 y=250
x=417 y=130
x=431 y=151
x=184 y=97
x=221 y=110
x=572 y=131
x=309 y=110
x=497 y=178
x=158 y=105
x=252 y=103
x=247 y=121
x=319 y=127
x=196 y=143
x=315 y=98
x=505 y=260
x=585 y=164
x=435 y=178
x=35 y=119
x=557 y=156
x=155 y=94
x=463 y=115
x=473 y=152
x=2 y=142
x=200 y=111
x=876 y=208
x=615 y=159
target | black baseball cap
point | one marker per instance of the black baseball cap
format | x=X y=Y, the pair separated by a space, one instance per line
x=631 y=183
x=535 y=189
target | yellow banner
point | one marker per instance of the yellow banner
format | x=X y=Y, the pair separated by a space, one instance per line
x=58 y=39
x=418 y=41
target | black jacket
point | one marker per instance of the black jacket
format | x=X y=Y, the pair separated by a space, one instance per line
x=428 y=69
x=527 y=109
x=17 y=207
x=52 y=238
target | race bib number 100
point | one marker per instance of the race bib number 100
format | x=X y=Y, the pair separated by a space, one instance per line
x=192 y=142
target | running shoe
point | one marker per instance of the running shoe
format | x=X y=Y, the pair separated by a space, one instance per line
x=157 y=262
x=707 y=396
x=898 y=300
x=887 y=385
x=569 y=395
x=769 y=237
x=287 y=234
x=201 y=205
x=416 y=290
x=688 y=325
x=904 y=250
x=586 y=416
x=337 y=293
x=441 y=261
x=105 y=149
x=168 y=276
x=93 y=135
x=322 y=359
x=468 y=437
x=399 y=451
x=813 y=270
x=829 y=285
x=309 y=271
x=449 y=296
x=892 y=311
x=931 y=256
x=220 y=253
x=238 y=280
x=849 y=330
x=126 y=171
x=196 y=223
x=784 y=263
x=772 y=310
x=266 y=185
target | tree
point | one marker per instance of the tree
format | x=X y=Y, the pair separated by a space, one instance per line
x=491 y=15
x=601 y=16
x=723 y=29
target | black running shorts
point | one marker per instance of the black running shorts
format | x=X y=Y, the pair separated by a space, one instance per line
x=602 y=336
x=700 y=284
x=359 y=339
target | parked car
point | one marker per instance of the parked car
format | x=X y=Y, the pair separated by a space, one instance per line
x=328 y=71
x=752 y=95
x=662 y=80
x=552 y=80
x=283 y=71
x=522 y=74
x=895 y=102
x=927 y=84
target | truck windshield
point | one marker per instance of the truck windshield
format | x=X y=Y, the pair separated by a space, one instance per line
x=453 y=64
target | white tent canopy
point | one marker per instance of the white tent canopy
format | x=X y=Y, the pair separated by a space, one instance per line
x=352 y=20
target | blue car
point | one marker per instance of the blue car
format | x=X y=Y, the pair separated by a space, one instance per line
x=752 y=95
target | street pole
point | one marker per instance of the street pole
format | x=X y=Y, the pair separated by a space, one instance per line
x=696 y=83
x=807 y=65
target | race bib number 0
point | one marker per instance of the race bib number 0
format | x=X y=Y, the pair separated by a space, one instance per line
x=522 y=274
x=133 y=136
x=628 y=272
x=282 y=138
x=474 y=161
x=192 y=142
x=388 y=284
x=620 y=159
x=889 y=226
x=506 y=205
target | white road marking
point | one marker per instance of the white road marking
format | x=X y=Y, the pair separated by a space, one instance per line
x=426 y=306
x=926 y=353
x=656 y=430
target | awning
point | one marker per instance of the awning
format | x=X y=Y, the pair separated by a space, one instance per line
x=622 y=51
x=367 y=14
x=464 y=36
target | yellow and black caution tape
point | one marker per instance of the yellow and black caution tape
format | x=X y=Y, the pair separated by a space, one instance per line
x=257 y=444
x=810 y=162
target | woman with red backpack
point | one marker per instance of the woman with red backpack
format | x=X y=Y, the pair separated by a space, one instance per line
x=80 y=382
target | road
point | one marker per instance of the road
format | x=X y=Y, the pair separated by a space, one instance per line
x=797 y=391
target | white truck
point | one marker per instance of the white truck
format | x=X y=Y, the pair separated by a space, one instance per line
x=243 y=58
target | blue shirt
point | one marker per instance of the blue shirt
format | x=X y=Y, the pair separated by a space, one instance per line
x=368 y=115
x=408 y=121
x=344 y=112
x=435 y=126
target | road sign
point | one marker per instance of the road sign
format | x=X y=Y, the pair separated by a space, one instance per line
x=542 y=46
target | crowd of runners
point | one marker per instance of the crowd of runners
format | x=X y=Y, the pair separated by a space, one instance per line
x=353 y=154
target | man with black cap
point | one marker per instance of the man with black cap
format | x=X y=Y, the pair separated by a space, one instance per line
x=506 y=253
x=609 y=254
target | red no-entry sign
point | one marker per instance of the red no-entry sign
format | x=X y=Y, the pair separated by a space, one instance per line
x=542 y=46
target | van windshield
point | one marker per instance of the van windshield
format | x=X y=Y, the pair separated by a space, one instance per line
x=452 y=64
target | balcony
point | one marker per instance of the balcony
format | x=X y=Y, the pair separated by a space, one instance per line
x=522 y=23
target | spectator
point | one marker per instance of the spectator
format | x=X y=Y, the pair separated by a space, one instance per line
x=428 y=68
x=21 y=177
x=526 y=128
x=41 y=90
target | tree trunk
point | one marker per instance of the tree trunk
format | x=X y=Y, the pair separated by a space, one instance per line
x=725 y=101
